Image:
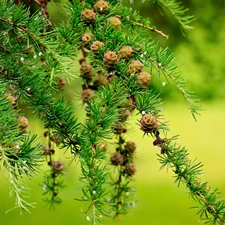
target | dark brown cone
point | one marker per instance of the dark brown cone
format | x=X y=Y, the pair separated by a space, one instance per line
x=116 y=158
x=86 y=95
x=86 y=71
x=130 y=147
x=130 y=169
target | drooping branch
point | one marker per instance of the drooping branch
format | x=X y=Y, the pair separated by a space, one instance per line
x=187 y=172
x=145 y=26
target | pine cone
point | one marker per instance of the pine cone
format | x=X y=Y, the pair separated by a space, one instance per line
x=86 y=71
x=61 y=82
x=12 y=99
x=130 y=147
x=100 y=81
x=143 y=80
x=48 y=151
x=119 y=129
x=115 y=23
x=124 y=114
x=86 y=39
x=22 y=122
x=101 y=7
x=96 y=46
x=131 y=104
x=126 y=53
x=148 y=123
x=110 y=59
x=136 y=66
x=116 y=158
x=57 y=167
x=130 y=169
x=88 y=16
x=56 y=138
x=86 y=95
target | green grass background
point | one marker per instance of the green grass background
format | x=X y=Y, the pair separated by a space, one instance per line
x=159 y=200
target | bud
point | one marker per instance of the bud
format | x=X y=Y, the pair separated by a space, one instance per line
x=86 y=71
x=12 y=99
x=143 y=80
x=22 y=122
x=96 y=46
x=19 y=39
x=48 y=151
x=111 y=78
x=86 y=95
x=55 y=138
x=115 y=23
x=110 y=59
x=124 y=114
x=57 y=167
x=126 y=53
x=86 y=39
x=119 y=129
x=88 y=16
x=45 y=134
x=61 y=82
x=130 y=147
x=101 y=146
x=101 y=7
x=116 y=158
x=130 y=169
x=131 y=104
x=100 y=81
x=136 y=66
x=148 y=123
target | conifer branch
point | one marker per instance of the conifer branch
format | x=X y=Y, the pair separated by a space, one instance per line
x=45 y=43
x=18 y=154
x=54 y=114
x=145 y=26
x=43 y=5
x=188 y=172
x=178 y=12
x=169 y=69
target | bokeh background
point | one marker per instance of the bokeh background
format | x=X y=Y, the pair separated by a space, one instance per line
x=201 y=54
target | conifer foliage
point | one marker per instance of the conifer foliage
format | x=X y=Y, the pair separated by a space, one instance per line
x=118 y=59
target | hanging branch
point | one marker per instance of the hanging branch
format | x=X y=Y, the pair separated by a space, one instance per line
x=169 y=69
x=178 y=12
x=43 y=5
x=188 y=172
x=145 y=26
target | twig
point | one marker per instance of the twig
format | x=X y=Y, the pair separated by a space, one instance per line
x=43 y=5
x=191 y=104
x=12 y=24
x=4 y=49
x=147 y=27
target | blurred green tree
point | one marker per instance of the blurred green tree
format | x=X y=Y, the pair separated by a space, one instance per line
x=201 y=49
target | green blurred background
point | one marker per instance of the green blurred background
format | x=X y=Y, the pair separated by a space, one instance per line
x=202 y=56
